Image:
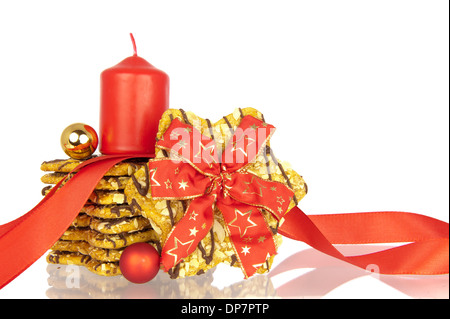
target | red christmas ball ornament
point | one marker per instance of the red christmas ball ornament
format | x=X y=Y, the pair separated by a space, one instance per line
x=139 y=263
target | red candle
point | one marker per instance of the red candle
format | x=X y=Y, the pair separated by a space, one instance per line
x=134 y=95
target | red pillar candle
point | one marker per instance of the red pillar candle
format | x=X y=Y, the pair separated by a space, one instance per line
x=134 y=95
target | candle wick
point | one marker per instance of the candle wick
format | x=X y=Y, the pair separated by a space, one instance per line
x=134 y=45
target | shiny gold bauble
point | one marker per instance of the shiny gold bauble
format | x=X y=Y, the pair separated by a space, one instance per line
x=79 y=141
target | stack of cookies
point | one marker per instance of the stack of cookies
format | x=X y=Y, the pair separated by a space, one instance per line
x=105 y=225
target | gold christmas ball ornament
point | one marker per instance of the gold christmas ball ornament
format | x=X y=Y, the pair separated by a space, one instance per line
x=79 y=141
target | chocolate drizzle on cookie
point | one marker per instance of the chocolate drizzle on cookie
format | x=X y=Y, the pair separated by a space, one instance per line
x=62 y=165
x=185 y=118
x=169 y=208
x=53 y=161
x=54 y=256
x=109 y=223
x=132 y=208
x=267 y=162
x=46 y=189
x=85 y=259
x=233 y=260
x=174 y=272
x=115 y=179
x=288 y=182
x=183 y=203
x=211 y=132
x=206 y=257
x=229 y=125
x=142 y=190
x=56 y=161
x=112 y=241
x=124 y=239
x=241 y=113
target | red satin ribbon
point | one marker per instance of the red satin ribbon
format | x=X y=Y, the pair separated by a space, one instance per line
x=426 y=251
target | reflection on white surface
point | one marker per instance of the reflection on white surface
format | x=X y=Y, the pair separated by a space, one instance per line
x=78 y=282
x=329 y=273
x=326 y=275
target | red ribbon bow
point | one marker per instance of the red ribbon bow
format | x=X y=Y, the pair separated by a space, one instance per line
x=222 y=185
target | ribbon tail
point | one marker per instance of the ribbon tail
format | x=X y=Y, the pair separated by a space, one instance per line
x=27 y=238
x=426 y=254
x=252 y=240
x=379 y=227
x=188 y=232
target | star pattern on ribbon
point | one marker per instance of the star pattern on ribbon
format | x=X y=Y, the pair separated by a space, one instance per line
x=242 y=221
x=154 y=182
x=193 y=231
x=242 y=149
x=179 y=249
x=183 y=184
x=193 y=215
x=245 y=250
x=250 y=185
x=206 y=153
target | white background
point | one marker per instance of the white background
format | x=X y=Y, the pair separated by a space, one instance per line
x=358 y=91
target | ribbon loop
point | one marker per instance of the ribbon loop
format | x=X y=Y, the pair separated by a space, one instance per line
x=175 y=180
x=246 y=143
x=188 y=144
